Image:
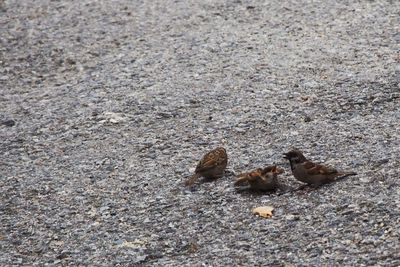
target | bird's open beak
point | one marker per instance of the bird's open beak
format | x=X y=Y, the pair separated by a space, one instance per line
x=285 y=156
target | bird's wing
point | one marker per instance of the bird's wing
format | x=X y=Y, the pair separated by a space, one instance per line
x=249 y=177
x=314 y=169
x=268 y=169
x=211 y=159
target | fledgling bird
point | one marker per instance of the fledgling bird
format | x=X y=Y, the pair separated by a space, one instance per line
x=211 y=166
x=312 y=173
x=261 y=179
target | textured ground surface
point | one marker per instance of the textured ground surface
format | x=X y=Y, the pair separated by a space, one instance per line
x=106 y=107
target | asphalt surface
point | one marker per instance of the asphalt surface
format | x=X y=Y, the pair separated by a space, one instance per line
x=107 y=106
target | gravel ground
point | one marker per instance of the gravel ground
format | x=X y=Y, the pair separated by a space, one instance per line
x=106 y=107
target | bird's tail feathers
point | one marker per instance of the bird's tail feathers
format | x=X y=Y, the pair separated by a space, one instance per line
x=344 y=174
x=241 y=180
x=192 y=179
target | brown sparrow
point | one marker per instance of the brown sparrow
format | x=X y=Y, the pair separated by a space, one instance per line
x=211 y=166
x=261 y=179
x=312 y=173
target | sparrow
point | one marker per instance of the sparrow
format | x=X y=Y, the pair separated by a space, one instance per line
x=261 y=179
x=312 y=173
x=211 y=166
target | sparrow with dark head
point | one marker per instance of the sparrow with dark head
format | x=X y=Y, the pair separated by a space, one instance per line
x=211 y=166
x=261 y=179
x=312 y=173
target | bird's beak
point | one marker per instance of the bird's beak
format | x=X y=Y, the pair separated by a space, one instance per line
x=285 y=156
